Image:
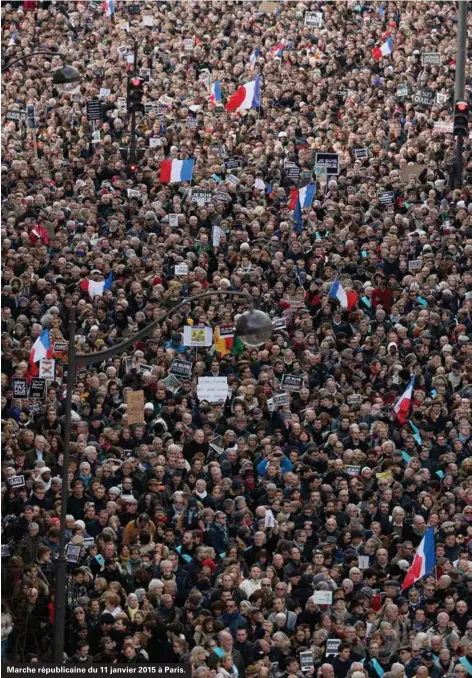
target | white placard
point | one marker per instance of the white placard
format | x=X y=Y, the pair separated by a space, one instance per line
x=198 y=336
x=363 y=562
x=133 y=193
x=173 y=220
x=442 y=98
x=96 y=136
x=443 y=127
x=154 y=142
x=181 y=269
x=47 y=368
x=148 y=20
x=130 y=58
x=216 y=235
x=314 y=19
x=189 y=44
x=332 y=646
x=231 y=179
x=323 y=597
x=269 y=520
x=259 y=184
x=213 y=389
x=104 y=92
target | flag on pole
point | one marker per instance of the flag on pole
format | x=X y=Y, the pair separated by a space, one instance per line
x=215 y=93
x=278 y=49
x=304 y=195
x=253 y=58
x=346 y=299
x=383 y=50
x=297 y=216
x=41 y=348
x=247 y=96
x=109 y=7
x=402 y=406
x=424 y=561
x=173 y=171
x=96 y=289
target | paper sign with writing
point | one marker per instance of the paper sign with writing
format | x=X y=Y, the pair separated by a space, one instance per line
x=148 y=20
x=216 y=235
x=133 y=193
x=386 y=197
x=233 y=163
x=104 y=92
x=73 y=553
x=314 y=19
x=198 y=336
x=213 y=389
x=94 y=110
x=402 y=90
x=47 y=368
x=201 y=197
x=424 y=97
x=332 y=646
x=154 y=142
x=15 y=116
x=361 y=153
x=231 y=179
x=135 y=407
x=5 y=552
x=430 y=59
x=37 y=388
x=173 y=220
x=19 y=388
x=306 y=661
x=442 y=98
x=182 y=368
x=328 y=160
x=354 y=399
x=181 y=269
x=171 y=383
x=281 y=399
x=189 y=44
x=323 y=597
x=363 y=562
x=291 y=382
x=415 y=265
x=443 y=127
x=16 y=481
x=279 y=323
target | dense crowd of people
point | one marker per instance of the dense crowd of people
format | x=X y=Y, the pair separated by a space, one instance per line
x=263 y=536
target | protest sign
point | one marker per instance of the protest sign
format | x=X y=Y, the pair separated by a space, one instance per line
x=402 y=90
x=361 y=153
x=363 y=562
x=290 y=382
x=73 y=553
x=171 y=383
x=189 y=44
x=323 y=597
x=15 y=116
x=430 y=59
x=332 y=646
x=442 y=98
x=216 y=235
x=314 y=19
x=415 y=265
x=19 y=388
x=94 y=110
x=37 y=388
x=213 y=389
x=181 y=269
x=201 y=197
x=182 y=368
x=414 y=169
x=173 y=220
x=16 y=481
x=198 y=336
x=306 y=661
x=31 y=116
x=279 y=323
x=443 y=127
x=353 y=470
x=233 y=163
x=281 y=399
x=328 y=160
x=424 y=97
x=47 y=368
x=386 y=197
x=354 y=399
x=135 y=407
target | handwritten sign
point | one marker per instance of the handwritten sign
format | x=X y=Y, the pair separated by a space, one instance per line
x=213 y=389
x=135 y=407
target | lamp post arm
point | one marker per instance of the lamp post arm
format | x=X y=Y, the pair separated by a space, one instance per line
x=9 y=64
x=93 y=358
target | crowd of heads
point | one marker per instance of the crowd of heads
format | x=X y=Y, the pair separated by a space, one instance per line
x=263 y=535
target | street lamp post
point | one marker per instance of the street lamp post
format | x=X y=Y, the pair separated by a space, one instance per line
x=459 y=85
x=253 y=327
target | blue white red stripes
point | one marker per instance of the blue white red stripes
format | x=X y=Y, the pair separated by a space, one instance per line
x=95 y=288
x=41 y=348
x=402 y=406
x=247 y=96
x=173 y=171
x=424 y=561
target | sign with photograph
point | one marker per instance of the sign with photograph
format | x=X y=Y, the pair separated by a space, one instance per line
x=323 y=597
x=198 y=336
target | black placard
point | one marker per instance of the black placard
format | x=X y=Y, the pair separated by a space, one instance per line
x=291 y=382
x=20 y=388
x=94 y=110
x=31 y=116
x=233 y=163
x=134 y=9
x=361 y=153
x=16 y=481
x=328 y=160
x=201 y=197
x=222 y=196
x=15 y=116
x=387 y=198
x=37 y=388
x=424 y=97
x=181 y=368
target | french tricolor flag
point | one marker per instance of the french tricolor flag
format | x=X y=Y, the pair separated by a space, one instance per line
x=215 y=93
x=109 y=7
x=173 y=171
x=247 y=96
x=402 y=406
x=383 y=50
x=278 y=49
x=96 y=288
x=305 y=195
x=253 y=58
x=41 y=348
x=347 y=299
x=424 y=561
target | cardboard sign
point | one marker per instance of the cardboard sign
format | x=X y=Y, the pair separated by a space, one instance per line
x=415 y=265
x=424 y=97
x=431 y=59
x=402 y=90
x=135 y=407
x=198 y=336
x=323 y=597
x=269 y=7
x=94 y=110
x=414 y=169
x=182 y=368
x=37 y=388
x=212 y=389
x=16 y=481
x=332 y=646
x=361 y=153
x=306 y=661
x=19 y=388
x=181 y=269
x=47 y=368
x=290 y=382
x=328 y=160
x=281 y=399
x=315 y=20
x=387 y=198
